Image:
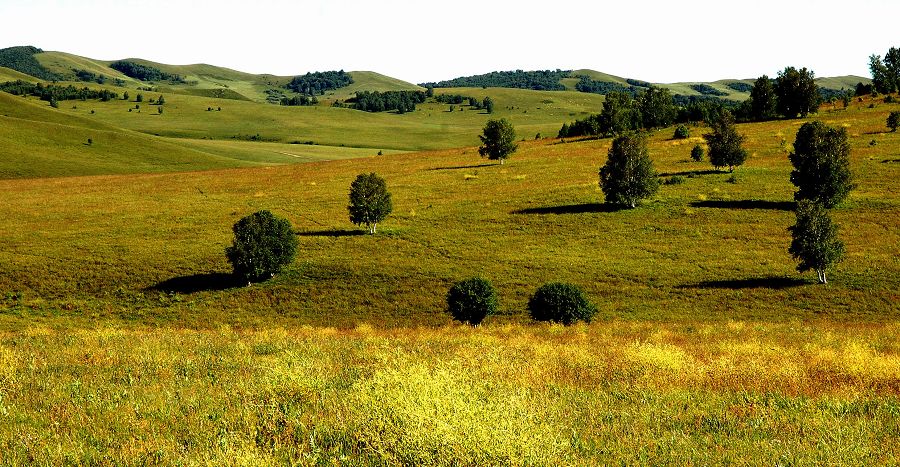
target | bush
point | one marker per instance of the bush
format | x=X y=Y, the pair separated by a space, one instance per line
x=697 y=153
x=675 y=180
x=682 y=132
x=893 y=121
x=560 y=302
x=263 y=244
x=472 y=300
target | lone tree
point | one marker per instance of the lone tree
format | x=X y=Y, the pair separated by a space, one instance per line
x=814 y=240
x=628 y=175
x=893 y=121
x=725 y=144
x=762 y=99
x=797 y=92
x=560 y=302
x=370 y=202
x=821 y=160
x=263 y=244
x=498 y=140
x=472 y=300
x=488 y=105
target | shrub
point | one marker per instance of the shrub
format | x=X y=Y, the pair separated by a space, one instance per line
x=697 y=153
x=889 y=99
x=263 y=244
x=560 y=302
x=682 y=132
x=472 y=300
x=893 y=121
x=675 y=180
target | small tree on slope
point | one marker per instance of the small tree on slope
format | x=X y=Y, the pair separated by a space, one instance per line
x=821 y=160
x=370 y=202
x=498 y=140
x=814 y=240
x=628 y=175
x=725 y=143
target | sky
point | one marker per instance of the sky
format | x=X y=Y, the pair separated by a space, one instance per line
x=419 y=41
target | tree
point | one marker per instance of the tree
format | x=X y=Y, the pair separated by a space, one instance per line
x=472 y=300
x=161 y=100
x=263 y=245
x=619 y=114
x=697 y=153
x=656 y=107
x=139 y=98
x=498 y=140
x=628 y=175
x=560 y=302
x=488 y=105
x=681 y=132
x=893 y=121
x=797 y=92
x=763 y=102
x=54 y=103
x=370 y=202
x=725 y=144
x=125 y=96
x=814 y=240
x=159 y=110
x=886 y=74
x=821 y=160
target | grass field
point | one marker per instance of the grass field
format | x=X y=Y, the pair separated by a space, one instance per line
x=123 y=338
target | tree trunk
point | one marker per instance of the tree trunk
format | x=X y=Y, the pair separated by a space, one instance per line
x=821 y=274
x=372 y=230
x=501 y=161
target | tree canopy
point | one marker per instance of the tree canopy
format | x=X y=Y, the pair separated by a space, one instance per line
x=628 y=175
x=263 y=245
x=725 y=143
x=370 y=201
x=498 y=140
x=821 y=160
x=797 y=92
x=763 y=101
x=814 y=240
x=319 y=82
x=541 y=80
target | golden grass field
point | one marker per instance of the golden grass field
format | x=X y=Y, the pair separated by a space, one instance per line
x=123 y=340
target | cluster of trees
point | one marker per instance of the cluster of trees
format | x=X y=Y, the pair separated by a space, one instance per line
x=22 y=59
x=472 y=300
x=740 y=86
x=456 y=99
x=542 y=80
x=791 y=94
x=144 y=72
x=707 y=90
x=55 y=92
x=299 y=101
x=89 y=76
x=319 y=82
x=400 y=101
x=886 y=73
x=586 y=84
x=652 y=108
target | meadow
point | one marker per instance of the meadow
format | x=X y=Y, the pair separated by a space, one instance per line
x=124 y=340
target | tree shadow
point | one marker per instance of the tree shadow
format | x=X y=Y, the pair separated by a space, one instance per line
x=330 y=233
x=772 y=282
x=478 y=166
x=746 y=204
x=692 y=173
x=193 y=283
x=573 y=209
x=890 y=161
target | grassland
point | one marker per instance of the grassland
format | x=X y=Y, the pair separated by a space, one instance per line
x=123 y=339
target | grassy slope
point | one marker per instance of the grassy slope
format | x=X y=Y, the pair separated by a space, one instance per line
x=702 y=250
x=7 y=74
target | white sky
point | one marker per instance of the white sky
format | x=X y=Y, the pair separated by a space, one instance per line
x=417 y=41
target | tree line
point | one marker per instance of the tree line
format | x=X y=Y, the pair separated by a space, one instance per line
x=376 y=101
x=54 y=92
x=542 y=80
x=319 y=82
x=144 y=72
x=299 y=101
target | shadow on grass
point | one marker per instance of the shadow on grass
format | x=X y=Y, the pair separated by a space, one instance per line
x=331 y=233
x=208 y=282
x=773 y=282
x=746 y=204
x=573 y=209
x=688 y=173
x=478 y=166
x=890 y=161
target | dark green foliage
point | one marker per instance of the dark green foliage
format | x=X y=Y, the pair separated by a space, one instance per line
x=311 y=84
x=89 y=77
x=299 y=101
x=498 y=140
x=375 y=101
x=863 y=89
x=797 y=92
x=674 y=180
x=740 y=87
x=161 y=100
x=893 y=121
x=708 y=90
x=263 y=245
x=628 y=175
x=488 y=105
x=814 y=240
x=560 y=302
x=586 y=84
x=697 y=153
x=682 y=132
x=370 y=201
x=22 y=60
x=139 y=98
x=472 y=300
x=545 y=80
x=763 y=102
x=821 y=160
x=144 y=72
x=656 y=107
x=453 y=99
x=619 y=114
x=725 y=144
x=638 y=83
x=54 y=92
x=159 y=110
x=886 y=74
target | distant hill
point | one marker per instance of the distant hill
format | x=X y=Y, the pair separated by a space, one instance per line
x=22 y=59
x=542 y=80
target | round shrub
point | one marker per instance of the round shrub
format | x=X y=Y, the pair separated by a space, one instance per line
x=682 y=132
x=560 y=302
x=263 y=244
x=697 y=153
x=472 y=300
